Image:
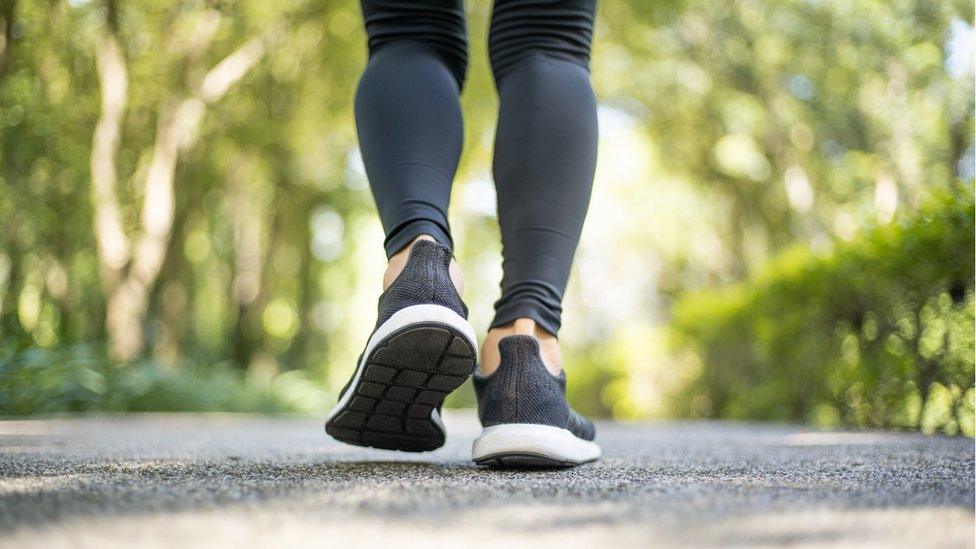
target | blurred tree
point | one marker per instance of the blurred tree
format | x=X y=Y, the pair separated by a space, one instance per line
x=180 y=183
x=129 y=271
x=797 y=115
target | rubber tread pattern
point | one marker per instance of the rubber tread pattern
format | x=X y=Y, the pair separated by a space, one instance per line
x=405 y=377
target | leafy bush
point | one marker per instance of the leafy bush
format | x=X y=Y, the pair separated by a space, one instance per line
x=80 y=379
x=876 y=333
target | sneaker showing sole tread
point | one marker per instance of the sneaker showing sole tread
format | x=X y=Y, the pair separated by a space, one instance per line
x=405 y=377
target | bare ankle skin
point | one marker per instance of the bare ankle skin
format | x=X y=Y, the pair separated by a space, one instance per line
x=548 y=345
x=399 y=261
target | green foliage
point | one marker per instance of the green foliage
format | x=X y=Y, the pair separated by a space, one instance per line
x=78 y=378
x=742 y=97
x=730 y=132
x=878 y=332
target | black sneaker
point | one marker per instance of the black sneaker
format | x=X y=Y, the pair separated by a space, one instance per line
x=523 y=409
x=421 y=349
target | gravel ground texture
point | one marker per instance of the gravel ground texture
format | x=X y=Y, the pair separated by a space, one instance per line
x=250 y=481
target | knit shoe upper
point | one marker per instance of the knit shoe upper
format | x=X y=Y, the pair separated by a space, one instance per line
x=425 y=279
x=523 y=390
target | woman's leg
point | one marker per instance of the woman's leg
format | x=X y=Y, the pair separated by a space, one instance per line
x=545 y=156
x=409 y=122
x=408 y=114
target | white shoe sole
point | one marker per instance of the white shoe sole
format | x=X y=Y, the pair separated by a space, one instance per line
x=531 y=445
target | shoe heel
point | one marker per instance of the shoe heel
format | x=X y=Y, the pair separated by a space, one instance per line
x=522 y=390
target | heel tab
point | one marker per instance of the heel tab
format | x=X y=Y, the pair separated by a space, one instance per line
x=424 y=251
x=517 y=346
x=520 y=351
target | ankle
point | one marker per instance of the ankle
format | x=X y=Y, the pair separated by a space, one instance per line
x=548 y=345
x=399 y=260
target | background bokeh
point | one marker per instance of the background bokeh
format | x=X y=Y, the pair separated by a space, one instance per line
x=781 y=226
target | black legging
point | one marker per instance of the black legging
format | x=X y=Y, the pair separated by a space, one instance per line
x=410 y=131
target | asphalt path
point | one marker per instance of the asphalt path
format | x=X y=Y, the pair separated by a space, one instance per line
x=249 y=481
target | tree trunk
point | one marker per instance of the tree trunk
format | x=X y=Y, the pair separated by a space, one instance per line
x=128 y=273
x=250 y=243
x=8 y=11
x=112 y=243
